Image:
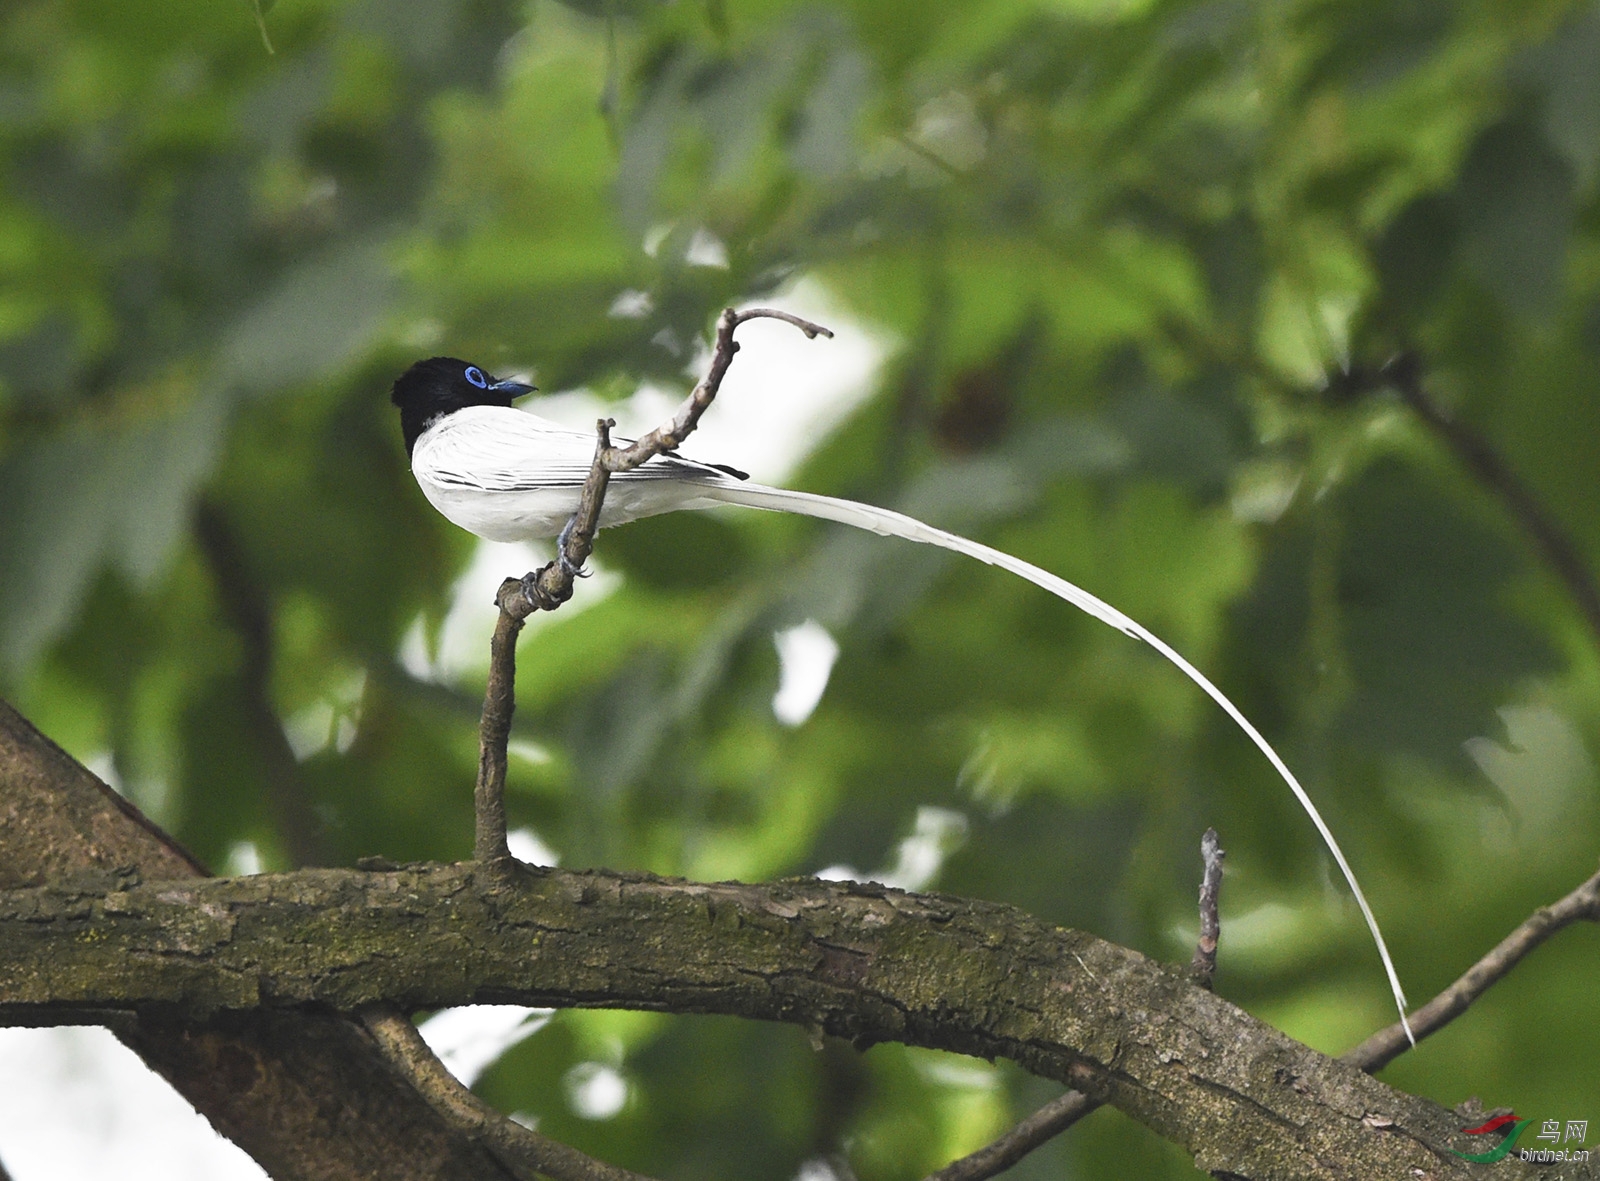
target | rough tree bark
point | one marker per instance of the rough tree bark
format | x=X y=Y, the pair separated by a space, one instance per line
x=864 y=963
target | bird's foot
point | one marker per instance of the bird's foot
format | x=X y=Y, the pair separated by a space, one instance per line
x=567 y=567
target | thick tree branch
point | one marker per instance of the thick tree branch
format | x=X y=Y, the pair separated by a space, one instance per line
x=263 y=1079
x=860 y=962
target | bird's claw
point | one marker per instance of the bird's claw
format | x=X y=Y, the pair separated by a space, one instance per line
x=567 y=568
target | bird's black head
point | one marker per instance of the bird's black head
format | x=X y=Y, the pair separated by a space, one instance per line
x=433 y=388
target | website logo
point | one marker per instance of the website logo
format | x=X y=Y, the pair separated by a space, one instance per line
x=1507 y=1126
x=1509 y=1129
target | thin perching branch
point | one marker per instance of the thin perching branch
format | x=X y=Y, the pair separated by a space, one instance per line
x=549 y=587
x=1389 y=1043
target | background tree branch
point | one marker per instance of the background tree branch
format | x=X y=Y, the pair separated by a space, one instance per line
x=1405 y=373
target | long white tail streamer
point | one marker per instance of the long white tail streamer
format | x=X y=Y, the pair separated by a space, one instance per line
x=893 y=524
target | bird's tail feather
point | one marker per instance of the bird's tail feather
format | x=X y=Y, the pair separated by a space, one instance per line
x=893 y=524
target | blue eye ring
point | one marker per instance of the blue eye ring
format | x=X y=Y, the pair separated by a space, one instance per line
x=476 y=377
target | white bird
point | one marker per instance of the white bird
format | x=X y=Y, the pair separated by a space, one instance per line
x=508 y=475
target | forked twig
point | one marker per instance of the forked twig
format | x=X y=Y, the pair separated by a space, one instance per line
x=551 y=586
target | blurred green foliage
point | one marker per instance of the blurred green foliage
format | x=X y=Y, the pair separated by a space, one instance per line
x=1118 y=246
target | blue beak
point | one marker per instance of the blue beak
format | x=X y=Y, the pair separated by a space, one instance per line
x=512 y=389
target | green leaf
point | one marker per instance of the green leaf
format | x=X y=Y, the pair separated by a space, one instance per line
x=318 y=316
x=85 y=497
